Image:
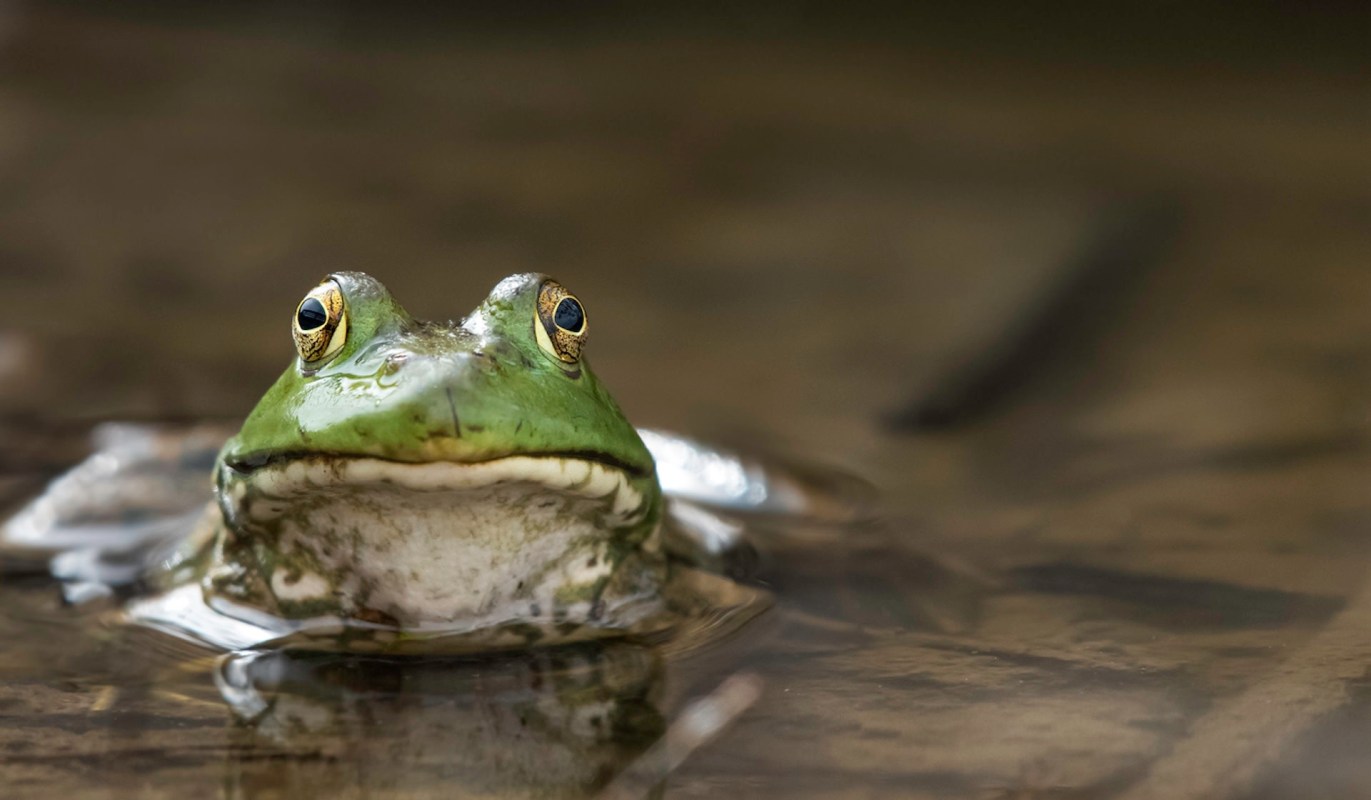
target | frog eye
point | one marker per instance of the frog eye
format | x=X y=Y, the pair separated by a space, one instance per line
x=560 y=322
x=321 y=323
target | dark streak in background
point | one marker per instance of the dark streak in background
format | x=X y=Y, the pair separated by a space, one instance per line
x=1168 y=601
x=1096 y=283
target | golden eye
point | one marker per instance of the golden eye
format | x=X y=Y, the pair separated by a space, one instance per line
x=560 y=322
x=321 y=323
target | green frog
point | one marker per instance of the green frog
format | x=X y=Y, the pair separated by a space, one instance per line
x=419 y=486
x=420 y=475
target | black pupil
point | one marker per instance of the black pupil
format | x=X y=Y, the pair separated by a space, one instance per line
x=569 y=316
x=311 y=315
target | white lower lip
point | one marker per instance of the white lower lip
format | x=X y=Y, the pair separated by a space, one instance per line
x=589 y=479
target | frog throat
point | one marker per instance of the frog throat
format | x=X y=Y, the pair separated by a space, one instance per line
x=429 y=543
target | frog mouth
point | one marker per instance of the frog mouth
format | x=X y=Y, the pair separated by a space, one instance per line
x=282 y=477
x=254 y=461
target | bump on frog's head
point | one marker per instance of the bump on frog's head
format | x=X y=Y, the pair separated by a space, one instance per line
x=338 y=316
x=540 y=315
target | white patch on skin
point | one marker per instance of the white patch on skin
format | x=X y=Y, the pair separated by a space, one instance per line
x=238 y=492
x=309 y=586
x=441 y=542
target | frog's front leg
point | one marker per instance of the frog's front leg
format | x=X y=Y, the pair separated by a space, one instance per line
x=131 y=501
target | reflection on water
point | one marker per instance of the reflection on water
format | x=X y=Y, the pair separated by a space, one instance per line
x=560 y=722
x=126 y=703
x=564 y=722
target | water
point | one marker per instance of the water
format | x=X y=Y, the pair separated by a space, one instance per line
x=1141 y=576
x=611 y=719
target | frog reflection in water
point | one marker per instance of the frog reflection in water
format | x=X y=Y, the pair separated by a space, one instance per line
x=410 y=486
x=546 y=722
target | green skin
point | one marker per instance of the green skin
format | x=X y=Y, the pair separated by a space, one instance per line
x=407 y=392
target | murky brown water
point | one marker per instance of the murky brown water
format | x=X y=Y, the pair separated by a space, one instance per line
x=1141 y=574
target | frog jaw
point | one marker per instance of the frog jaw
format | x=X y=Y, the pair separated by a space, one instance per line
x=422 y=545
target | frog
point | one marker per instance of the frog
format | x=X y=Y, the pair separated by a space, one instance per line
x=417 y=474
x=418 y=486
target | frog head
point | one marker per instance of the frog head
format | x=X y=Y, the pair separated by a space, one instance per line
x=406 y=474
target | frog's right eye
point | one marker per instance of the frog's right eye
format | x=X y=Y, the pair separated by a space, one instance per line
x=321 y=323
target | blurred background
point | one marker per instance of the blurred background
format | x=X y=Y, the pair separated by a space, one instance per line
x=1081 y=288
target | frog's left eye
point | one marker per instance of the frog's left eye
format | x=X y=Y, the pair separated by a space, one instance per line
x=321 y=323
x=560 y=323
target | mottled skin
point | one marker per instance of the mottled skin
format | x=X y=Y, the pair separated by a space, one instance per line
x=521 y=554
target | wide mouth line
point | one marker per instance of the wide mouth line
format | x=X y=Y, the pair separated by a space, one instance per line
x=253 y=462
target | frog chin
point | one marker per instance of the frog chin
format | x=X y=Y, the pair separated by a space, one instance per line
x=521 y=538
